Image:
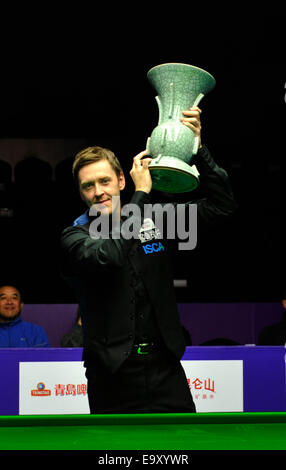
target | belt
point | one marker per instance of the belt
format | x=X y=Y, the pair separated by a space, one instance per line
x=143 y=349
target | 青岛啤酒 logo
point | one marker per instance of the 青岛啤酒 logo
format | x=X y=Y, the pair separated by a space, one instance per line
x=41 y=391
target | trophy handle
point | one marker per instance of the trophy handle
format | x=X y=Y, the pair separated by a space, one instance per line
x=160 y=110
x=197 y=139
x=159 y=119
x=198 y=99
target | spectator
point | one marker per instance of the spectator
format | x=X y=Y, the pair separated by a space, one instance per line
x=187 y=336
x=220 y=342
x=14 y=332
x=74 y=339
x=275 y=335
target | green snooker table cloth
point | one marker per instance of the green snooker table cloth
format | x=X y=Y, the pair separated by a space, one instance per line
x=200 y=431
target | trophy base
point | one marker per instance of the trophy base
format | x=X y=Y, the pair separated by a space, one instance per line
x=172 y=175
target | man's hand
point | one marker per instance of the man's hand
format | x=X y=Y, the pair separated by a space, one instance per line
x=192 y=119
x=140 y=172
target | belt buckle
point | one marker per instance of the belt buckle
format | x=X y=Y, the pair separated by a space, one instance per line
x=139 y=349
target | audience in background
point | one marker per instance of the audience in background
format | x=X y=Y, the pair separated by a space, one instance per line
x=74 y=339
x=14 y=332
x=220 y=342
x=275 y=335
x=188 y=338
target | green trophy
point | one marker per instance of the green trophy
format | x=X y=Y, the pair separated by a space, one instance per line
x=172 y=145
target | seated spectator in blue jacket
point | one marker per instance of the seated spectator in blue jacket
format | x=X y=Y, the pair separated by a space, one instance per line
x=14 y=332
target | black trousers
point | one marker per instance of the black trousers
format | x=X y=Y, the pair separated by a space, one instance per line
x=154 y=383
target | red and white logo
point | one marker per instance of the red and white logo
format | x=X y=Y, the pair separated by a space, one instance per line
x=41 y=391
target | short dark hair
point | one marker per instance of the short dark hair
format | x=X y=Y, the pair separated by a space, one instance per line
x=15 y=287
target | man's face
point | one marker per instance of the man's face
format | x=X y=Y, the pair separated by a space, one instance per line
x=10 y=303
x=98 y=183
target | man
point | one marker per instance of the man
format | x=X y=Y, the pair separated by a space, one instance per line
x=74 y=339
x=133 y=338
x=14 y=332
x=275 y=334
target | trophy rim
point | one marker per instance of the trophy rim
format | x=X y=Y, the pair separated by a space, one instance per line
x=181 y=63
x=190 y=174
x=162 y=167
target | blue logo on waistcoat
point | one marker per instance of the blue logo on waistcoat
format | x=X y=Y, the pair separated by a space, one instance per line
x=154 y=247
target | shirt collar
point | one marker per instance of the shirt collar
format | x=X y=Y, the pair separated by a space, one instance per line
x=12 y=322
x=82 y=219
x=85 y=218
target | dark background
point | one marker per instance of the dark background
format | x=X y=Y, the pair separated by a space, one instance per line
x=83 y=76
